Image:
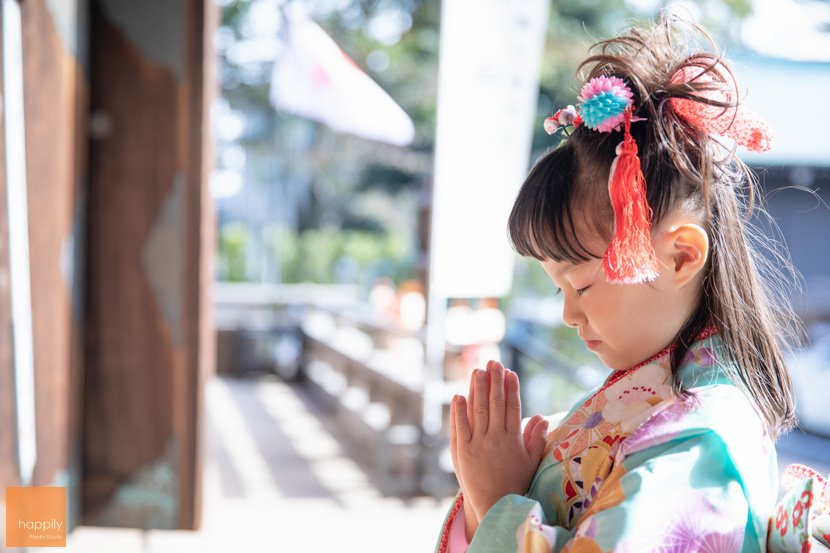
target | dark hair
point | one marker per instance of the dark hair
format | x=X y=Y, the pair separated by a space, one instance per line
x=686 y=169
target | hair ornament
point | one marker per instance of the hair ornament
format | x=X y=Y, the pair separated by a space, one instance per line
x=603 y=101
x=630 y=257
x=563 y=118
x=606 y=104
x=739 y=123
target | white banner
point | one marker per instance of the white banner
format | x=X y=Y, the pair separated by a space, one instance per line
x=314 y=78
x=491 y=54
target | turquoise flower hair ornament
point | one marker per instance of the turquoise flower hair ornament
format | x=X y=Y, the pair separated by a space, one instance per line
x=602 y=104
x=605 y=105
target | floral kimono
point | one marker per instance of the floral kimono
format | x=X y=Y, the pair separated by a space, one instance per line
x=635 y=468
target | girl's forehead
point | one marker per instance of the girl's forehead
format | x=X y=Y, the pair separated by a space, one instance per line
x=563 y=269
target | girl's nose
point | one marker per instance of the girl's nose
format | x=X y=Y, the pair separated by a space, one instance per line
x=572 y=315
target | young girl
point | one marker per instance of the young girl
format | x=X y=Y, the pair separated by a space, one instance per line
x=640 y=219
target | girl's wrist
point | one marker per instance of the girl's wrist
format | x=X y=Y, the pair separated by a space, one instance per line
x=470 y=519
x=469 y=510
x=482 y=507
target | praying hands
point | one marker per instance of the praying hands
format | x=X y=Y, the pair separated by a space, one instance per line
x=491 y=455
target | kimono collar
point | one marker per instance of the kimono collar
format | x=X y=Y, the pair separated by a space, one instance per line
x=617 y=375
x=626 y=400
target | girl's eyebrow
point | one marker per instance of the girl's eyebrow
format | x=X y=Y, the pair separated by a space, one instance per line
x=571 y=267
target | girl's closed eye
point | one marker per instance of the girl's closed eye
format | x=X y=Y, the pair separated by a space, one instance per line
x=579 y=291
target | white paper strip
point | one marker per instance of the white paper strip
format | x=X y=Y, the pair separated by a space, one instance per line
x=491 y=53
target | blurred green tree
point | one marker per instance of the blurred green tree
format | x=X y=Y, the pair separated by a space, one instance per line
x=342 y=182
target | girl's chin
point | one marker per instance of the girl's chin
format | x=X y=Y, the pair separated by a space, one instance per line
x=613 y=363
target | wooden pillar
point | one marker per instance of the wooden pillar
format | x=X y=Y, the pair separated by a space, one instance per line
x=147 y=283
x=203 y=81
x=54 y=102
x=55 y=107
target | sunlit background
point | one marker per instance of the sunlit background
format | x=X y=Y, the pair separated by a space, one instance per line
x=299 y=201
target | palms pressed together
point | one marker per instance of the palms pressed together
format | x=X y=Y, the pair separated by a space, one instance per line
x=491 y=454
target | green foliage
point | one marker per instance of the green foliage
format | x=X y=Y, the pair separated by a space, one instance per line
x=330 y=255
x=231 y=256
x=319 y=250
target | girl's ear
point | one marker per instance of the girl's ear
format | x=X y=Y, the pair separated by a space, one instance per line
x=688 y=246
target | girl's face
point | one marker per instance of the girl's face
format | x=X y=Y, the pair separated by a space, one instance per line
x=624 y=324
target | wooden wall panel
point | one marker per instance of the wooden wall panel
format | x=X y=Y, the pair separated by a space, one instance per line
x=51 y=78
x=126 y=370
x=130 y=354
x=55 y=108
x=54 y=117
x=146 y=276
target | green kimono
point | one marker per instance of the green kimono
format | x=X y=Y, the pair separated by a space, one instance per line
x=635 y=468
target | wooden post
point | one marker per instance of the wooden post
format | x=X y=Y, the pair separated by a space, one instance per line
x=149 y=241
x=55 y=116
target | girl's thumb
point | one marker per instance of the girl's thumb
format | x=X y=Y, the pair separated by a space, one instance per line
x=538 y=441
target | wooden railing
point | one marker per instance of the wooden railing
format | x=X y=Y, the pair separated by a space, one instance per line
x=377 y=393
x=368 y=372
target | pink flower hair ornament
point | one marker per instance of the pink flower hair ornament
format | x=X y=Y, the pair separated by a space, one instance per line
x=603 y=101
x=602 y=104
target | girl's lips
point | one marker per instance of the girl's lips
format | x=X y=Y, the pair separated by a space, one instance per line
x=592 y=344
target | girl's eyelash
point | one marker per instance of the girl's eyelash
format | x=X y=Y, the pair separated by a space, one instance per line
x=578 y=292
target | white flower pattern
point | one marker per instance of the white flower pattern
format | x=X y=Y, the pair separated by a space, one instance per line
x=631 y=400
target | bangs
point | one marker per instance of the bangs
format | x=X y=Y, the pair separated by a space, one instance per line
x=551 y=205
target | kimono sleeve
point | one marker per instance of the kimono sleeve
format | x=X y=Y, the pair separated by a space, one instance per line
x=513 y=524
x=686 y=496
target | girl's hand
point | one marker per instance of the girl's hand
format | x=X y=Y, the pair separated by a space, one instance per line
x=470 y=517
x=492 y=454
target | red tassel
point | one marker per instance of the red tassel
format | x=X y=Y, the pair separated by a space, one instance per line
x=630 y=257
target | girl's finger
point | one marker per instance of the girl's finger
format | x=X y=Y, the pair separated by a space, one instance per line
x=463 y=434
x=529 y=427
x=538 y=441
x=513 y=410
x=489 y=370
x=497 y=400
x=452 y=427
x=480 y=407
x=454 y=442
x=471 y=400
